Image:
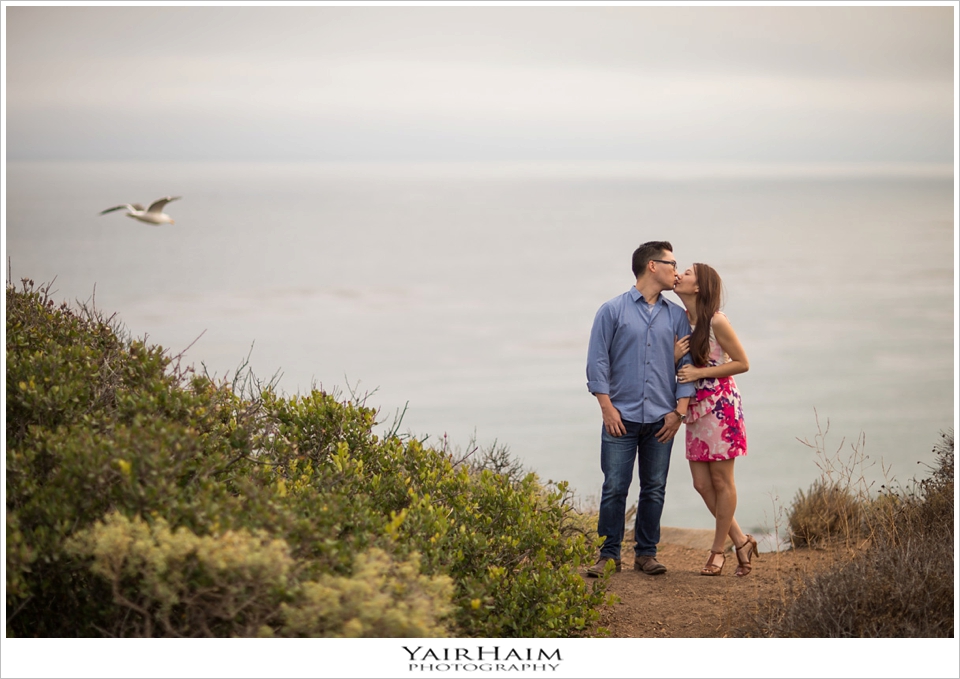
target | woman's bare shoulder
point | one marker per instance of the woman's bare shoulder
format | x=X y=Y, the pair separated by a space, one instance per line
x=721 y=321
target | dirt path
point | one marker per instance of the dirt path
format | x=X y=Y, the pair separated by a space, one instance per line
x=681 y=603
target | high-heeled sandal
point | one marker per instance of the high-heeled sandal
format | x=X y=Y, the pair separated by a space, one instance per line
x=743 y=561
x=711 y=568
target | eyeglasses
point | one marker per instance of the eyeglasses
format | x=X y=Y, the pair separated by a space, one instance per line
x=664 y=261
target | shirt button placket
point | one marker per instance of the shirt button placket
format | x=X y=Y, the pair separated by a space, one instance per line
x=646 y=373
x=649 y=369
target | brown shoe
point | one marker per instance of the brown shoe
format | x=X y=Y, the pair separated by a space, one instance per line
x=745 y=553
x=649 y=565
x=712 y=568
x=597 y=569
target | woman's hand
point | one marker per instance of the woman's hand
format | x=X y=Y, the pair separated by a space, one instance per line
x=689 y=374
x=680 y=347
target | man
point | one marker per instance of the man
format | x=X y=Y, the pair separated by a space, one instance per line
x=631 y=371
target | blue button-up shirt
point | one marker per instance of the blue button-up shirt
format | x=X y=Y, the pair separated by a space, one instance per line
x=630 y=356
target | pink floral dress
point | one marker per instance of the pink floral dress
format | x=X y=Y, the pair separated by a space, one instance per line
x=715 y=417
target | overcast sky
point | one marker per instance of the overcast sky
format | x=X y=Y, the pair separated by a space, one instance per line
x=771 y=84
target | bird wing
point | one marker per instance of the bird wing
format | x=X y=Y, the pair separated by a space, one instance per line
x=159 y=204
x=118 y=207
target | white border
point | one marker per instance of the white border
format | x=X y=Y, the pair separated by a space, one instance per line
x=580 y=658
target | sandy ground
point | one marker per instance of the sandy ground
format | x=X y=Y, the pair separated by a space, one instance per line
x=681 y=603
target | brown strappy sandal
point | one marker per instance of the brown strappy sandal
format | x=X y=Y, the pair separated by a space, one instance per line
x=743 y=562
x=711 y=568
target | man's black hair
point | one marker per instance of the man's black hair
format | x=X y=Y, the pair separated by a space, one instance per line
x=648 y=251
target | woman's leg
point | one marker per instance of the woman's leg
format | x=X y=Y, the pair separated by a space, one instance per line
x=703 y=482
x=725 y=491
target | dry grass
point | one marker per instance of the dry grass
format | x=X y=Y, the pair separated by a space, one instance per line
x=824 y=514
x=898 y=580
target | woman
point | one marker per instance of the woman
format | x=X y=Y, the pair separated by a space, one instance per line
x=715 y=432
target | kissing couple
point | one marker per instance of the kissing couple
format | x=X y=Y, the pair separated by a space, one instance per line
x=653 y=365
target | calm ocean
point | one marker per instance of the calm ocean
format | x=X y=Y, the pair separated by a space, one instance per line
x=469 y=292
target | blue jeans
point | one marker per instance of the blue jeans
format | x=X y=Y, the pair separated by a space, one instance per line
x=616 y=460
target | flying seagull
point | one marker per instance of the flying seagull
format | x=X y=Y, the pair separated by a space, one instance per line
x=152 y=215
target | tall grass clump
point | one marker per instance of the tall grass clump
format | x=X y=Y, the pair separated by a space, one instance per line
x=146 y=499
x=831 y=510
x=894 y=574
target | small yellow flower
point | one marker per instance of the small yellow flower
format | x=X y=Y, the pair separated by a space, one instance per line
x=475 y=604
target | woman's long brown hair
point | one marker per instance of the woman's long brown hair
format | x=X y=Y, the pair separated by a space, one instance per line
x=708 y=303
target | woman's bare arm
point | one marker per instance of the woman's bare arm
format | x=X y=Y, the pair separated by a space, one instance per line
x=730 y=343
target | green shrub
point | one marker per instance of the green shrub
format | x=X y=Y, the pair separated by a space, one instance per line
x=383 y=598
x=177 y=583
x=508 y=544
x=19 y=558
x=129 y=479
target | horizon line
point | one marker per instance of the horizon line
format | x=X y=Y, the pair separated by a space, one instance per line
x=667 y=170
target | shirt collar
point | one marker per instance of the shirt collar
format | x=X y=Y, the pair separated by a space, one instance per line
x=636 y=297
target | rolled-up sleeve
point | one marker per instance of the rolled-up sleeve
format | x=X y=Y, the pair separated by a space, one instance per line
x=598 y=351
x=687 y=389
